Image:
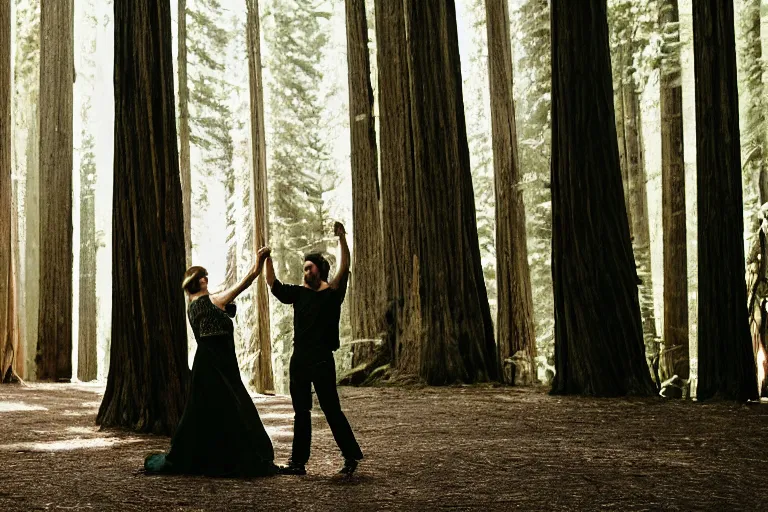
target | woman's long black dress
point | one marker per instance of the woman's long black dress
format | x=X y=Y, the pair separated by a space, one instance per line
x=220 y=432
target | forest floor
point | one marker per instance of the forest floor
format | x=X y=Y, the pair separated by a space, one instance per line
x=465 y=448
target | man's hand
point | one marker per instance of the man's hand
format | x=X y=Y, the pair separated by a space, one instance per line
x=263 y=254
x=338 y=229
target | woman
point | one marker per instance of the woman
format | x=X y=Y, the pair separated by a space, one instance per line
x=220 y=432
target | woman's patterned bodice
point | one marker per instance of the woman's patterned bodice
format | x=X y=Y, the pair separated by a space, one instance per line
x=207 y=319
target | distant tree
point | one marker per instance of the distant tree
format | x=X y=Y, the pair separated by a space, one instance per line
x=675 y=356
x=54 y=342
x=261 y=340
x=8 y=312
x=515 y=334
x=185 y=163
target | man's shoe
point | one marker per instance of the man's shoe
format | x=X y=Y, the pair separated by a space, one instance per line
x=350 y=465
x=292 y=469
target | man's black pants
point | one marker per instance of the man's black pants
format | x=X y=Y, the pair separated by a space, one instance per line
x=323 y=375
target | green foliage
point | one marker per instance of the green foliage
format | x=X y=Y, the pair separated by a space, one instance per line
x=635 y=38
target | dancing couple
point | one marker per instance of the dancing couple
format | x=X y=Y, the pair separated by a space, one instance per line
x=220 y=432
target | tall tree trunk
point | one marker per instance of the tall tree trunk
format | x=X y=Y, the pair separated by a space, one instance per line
x=261 y=342
x=17 y=326
x=676 y=359
x=514 y=325
x=32 y=242
x=397 y=184
x=726 y=363
x=598 y=331
x=87 y=364
x=638 y=215
x=368 y=285
x=456 y=338
x=184 y=158
x=621 y=132
x=7 y=312
x=54 y=346
x=148 y=374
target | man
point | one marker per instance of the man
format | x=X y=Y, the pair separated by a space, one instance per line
x=316 y=313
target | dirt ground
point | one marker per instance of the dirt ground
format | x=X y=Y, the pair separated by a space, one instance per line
x=478 y=448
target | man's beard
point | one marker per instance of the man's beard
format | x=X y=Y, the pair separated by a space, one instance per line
x=313 y=282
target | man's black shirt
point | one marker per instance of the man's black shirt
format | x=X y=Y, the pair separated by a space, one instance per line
x=316 y=317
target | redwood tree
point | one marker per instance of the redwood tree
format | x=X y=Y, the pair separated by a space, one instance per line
x=185 y=166
x=7 y=311
x=54 y=336
x=726 y=362
x=261 y=343
x=675 y=357
x=455 y=340
x=148 y=373
x=368 y=278
x=598 y=332
x=397 y=182
x=514 y=324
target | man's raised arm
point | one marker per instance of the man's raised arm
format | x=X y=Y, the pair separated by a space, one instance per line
x=341 y=273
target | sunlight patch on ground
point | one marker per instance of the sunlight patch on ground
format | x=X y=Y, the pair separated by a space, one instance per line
x=83 y=430
x=288 y=416
x=91 y=404
x=19 y=406
x=90 y=412
x=66 y=445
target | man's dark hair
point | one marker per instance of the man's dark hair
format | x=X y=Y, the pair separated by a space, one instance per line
x=322 y=264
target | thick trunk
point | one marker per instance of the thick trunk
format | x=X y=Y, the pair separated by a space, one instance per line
x=675 y=359
x=54 y=347
x=87 y=312
x=598 y=331
x=185 y=166
x=726 y=363
x=368 y=284
x=397 y=181
x=7 y=311
x=261 y=343
x=455 y=341
x=514 y=325
x=148 y=373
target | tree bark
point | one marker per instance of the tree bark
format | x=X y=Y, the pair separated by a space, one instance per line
x=184 y=158
x=514 y=325
x=726 y=363
x=54 y=346
x=32 y=242
x=638 y=212
x=261 y=342
x=7 y=310
x=598 y=331
x=675 y=356
x=148 y=374
x=455 y=341
x=368 y=286
x=397 y=184
x=87 y=364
